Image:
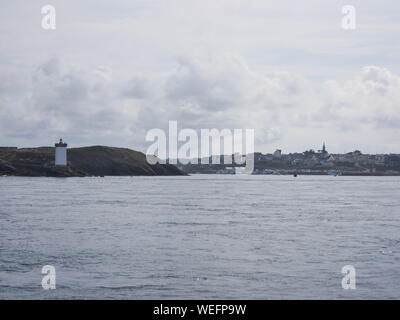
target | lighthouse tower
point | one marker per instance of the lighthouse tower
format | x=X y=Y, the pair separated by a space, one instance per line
x=61 y=153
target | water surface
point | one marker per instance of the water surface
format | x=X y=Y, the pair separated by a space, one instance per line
x=200 y=237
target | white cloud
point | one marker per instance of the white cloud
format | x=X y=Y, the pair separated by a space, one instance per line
x=286 y=69
x=221 y=91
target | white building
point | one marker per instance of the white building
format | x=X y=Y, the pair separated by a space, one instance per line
x=61 y=153
x=278 y=154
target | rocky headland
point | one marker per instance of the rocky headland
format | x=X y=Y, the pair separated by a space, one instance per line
x=85 y=161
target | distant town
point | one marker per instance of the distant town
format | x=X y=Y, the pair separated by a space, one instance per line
x=310 y=162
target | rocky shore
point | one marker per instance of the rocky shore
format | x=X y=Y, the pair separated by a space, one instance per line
x=86 y=161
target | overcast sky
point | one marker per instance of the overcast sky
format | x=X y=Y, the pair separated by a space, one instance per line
x=112 y=70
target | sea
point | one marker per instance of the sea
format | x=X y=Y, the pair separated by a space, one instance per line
x=200 y=237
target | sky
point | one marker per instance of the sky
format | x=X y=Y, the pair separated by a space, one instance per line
x=113 y=70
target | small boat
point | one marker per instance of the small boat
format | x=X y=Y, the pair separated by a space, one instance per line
x=334 y=173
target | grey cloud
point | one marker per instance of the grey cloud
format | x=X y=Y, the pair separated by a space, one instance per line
x=91 y=105
x=138 y=88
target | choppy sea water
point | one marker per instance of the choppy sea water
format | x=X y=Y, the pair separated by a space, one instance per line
x=200 y=237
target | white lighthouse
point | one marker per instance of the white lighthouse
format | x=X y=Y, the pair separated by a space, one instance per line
x=61 y=153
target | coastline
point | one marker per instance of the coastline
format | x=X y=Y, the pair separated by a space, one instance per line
x=86 y=161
